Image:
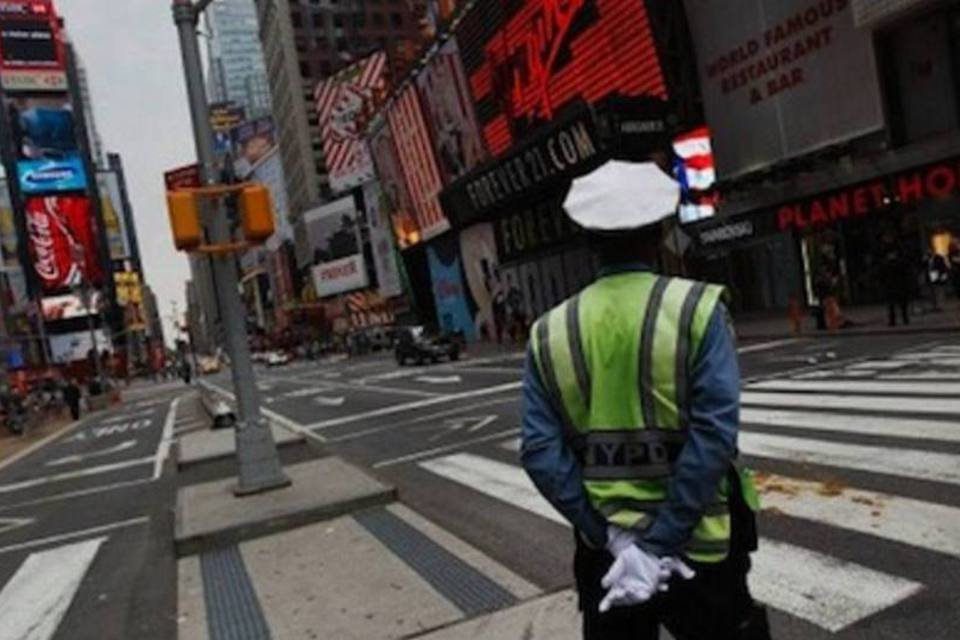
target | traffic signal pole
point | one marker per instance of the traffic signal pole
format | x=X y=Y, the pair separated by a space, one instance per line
x=259 y=464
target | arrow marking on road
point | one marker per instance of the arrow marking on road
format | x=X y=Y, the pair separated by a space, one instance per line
x=439 y=379
x=123 y=446
x=470 y=424
x=9 y=524
x=325 y=401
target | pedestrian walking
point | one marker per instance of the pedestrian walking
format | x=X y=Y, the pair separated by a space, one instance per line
x=630 y=420
x=185 y=371
x=897 y=281
x=71 y=397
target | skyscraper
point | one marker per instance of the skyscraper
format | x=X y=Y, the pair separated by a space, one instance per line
x=236 y=70
x=305 y=42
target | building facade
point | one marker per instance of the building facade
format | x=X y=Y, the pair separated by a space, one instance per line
x=851 y=116
x=307 y=41
x=236 y=71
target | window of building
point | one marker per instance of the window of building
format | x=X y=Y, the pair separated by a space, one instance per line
x=396 y=19
x=359 y=20
x=326 y=68
x=341 y=45
x=377 y=19
x=320 y=43
x=921 y=66
x=305 y=69
x=338 y=20
x=296 y=19
x=382 y=42
x=318 y=20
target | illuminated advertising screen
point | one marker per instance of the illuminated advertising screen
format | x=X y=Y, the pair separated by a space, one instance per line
x=332 y=236
x=48 y=158
x=528 y=59
x=32 y=55
x=393 y=186
x=419 y=164
x=63 y=246
x=449 y=108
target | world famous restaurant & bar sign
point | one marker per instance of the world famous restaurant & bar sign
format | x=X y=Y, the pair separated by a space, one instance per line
x=936 y=181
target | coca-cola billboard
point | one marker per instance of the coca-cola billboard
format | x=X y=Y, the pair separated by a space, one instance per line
x=63 y=246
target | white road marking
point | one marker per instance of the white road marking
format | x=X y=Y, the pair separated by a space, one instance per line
x=114 y=429
x=931 y=388
x=303 y=393
x=935 y=376
x=163 y=448
x=75 y=494
x=917 y=523
x=433 y=416
x=454 y=379
x=878 y=365
x=71 y=475
x=764 y=346
x=77 y=457
x=329 y=401
x=826 y=591
x=905 y=427
x=39 y=444
x=416 y=404
x=471 y=424
x=34 y=601
x=128 y=416
x=907 y=463
x=878 y=404
x=419 y=455
x=73 y=535
x=9 y=524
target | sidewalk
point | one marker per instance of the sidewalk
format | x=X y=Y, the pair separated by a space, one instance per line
x=12 y=446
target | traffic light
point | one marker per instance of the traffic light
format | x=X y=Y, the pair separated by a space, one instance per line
x=256 y=213
x=184 y=220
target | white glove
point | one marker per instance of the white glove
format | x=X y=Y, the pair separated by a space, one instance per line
x=618 y=539
x=676 y=566
x=634 y=576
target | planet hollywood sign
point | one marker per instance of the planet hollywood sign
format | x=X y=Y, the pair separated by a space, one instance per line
x=937 y=181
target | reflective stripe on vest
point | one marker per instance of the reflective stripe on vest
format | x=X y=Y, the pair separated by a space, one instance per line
x=616 y=362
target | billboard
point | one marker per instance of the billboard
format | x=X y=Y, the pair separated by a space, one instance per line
x=776 y=78
x=185 y=177
x=449 y=109
x=381 y=240
x=32 y=55
x=449 y=295
x=48 y=158
x=71 y=347
x=63 y=244
x=393 y=186
x=528 y=59
x=419 y=165
x=336 y=255
x=224 y=116
x=69 y=306
x=111 y=206
x=345 y=103
x=257 y=158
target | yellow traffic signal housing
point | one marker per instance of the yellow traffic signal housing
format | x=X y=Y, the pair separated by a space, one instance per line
x=184 y=220
x=256 y=213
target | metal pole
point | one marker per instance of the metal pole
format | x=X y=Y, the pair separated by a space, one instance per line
x=259 y=464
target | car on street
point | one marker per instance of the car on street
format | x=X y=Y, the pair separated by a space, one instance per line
x=277 y=358
x=415 y=343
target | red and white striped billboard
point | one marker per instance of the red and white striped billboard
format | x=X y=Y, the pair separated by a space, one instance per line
x=418 y=161
x=345 y=103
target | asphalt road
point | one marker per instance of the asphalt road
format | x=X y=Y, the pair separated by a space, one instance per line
x=86 y=524
x=857 y=440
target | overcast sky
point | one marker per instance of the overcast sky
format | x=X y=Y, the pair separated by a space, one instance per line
x=132 y=56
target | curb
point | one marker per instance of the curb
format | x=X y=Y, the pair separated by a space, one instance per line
x=192 y=545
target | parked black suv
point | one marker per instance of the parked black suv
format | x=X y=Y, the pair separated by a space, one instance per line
x=413 y=343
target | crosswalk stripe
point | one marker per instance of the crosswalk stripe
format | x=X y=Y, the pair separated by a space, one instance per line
x=826 y=591
x=908 y=463
x=892 y=404
x=930 y=388
x=35 y=599
x=878 y=365
x=913 y=428
x=924 y=375
x=917 y=523
x=821 y=589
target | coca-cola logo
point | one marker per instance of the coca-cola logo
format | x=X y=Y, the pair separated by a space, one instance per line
x=44 y=245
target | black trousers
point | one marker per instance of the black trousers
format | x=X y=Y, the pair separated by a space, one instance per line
x=714 y=605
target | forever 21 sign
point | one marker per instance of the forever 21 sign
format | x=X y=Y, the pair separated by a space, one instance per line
x=569 y=148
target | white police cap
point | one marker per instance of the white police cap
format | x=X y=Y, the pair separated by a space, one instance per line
x=620 y=196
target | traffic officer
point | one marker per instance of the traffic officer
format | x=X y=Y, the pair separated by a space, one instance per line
x=630 y=419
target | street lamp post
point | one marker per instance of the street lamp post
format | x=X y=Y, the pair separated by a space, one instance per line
x=259 y=464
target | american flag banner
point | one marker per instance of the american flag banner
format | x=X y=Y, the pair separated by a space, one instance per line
x=696 y=174
x=419 y=163
x=345 y=102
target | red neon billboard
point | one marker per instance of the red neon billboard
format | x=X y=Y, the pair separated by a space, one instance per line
x=526 y=60
x=32 y=53
x=63 y=242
